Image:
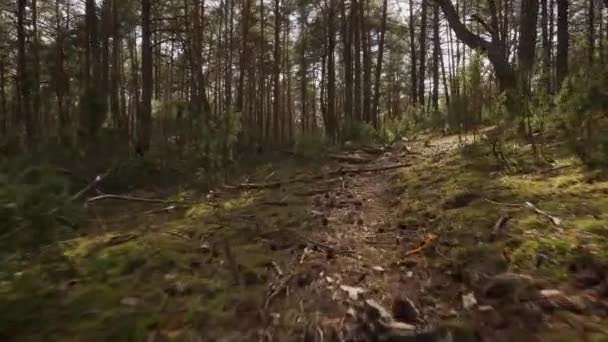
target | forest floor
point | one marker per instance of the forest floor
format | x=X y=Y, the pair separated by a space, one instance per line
x=433 y=242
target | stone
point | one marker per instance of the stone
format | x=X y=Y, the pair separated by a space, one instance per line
x=404 y=310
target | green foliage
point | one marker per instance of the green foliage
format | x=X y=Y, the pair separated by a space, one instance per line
x=394 y=129
x=310 y=145
x=583 y=110
x=216 y=144
x=35 y=204
x=359 y=133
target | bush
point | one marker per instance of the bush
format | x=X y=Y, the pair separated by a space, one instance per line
x=310 y=145
x=35 y=204
x=583 y=112
x=359 y=133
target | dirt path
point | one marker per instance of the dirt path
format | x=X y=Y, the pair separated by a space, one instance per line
x=370 y=274
x=419 y=244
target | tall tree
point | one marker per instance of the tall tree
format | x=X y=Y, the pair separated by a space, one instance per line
x=144 y=118
x=422 y=47
x=436 y=56
x=379 y=63
x=563 y=42
x=413 y=56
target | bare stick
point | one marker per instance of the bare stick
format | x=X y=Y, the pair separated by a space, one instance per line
x=98 y=179
x=129 y=198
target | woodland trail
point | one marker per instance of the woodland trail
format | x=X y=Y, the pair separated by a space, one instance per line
x=429 y=243
x=369 y=274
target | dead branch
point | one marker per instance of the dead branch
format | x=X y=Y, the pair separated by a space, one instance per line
x=339 y=172
x=555 y=220
x=129 y=198
x=234 y=267
x=277 y=268
x=498 y=227
x=350 y=159
x=98 y=179
x=371 y=169
x=425 y=244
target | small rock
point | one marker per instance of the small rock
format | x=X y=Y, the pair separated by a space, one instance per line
x=469 y=301
x=511 y=286
x=376 y=311
x=130 y=301
x=170 y=276
x=400 y=326
x=353 y=291
x=378 y=269
x=204 y=247
x=405 y=310
x=409 y=274
x=552 y=299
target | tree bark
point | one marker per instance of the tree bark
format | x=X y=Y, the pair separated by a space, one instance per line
x=348 y=64
x=356 y=27
x=422 y=74
x=277 y=71
x=379 y=63
x=505 y=73
x=563 y=43
x=436 y=56
x=24 y=110
x=413 y=56
x=145 y=114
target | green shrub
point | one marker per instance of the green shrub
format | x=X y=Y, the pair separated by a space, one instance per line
x=35 y=204
x=310 y=145
x=359 y=133
x=583 y=112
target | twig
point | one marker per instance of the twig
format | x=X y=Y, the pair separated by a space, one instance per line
x=277 y=268
x=98 y=179
x=232 y=263
x=425 y=244
x=514 y=205
x=498 y=227
x=129 y=198
x=339 y=172
x=350 y=159
x=555 y=220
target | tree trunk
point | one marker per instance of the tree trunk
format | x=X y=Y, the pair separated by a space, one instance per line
x=367 y=63
x=303 y=68
x=436 y=56
x=145 y=114
x=61 y=78
x=563 y=43
x=24 y=111
x=505 y=73
x=591 y=30
x=546 y=45
x=356 y=27
x=36 y=115
x=331 y=74
x=413 y=56
x=379 y=64
x=115 y=108
x=422 y=74
x=348 y=66
x=277 y=71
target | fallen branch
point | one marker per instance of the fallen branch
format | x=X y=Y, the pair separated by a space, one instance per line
x=372 y=169
x=498 y=227
x=98 y=179
x=130 y=198
x=425 y=244
x=554 y=219
x=339 y=172
x=350 y=159
x=277 y=268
